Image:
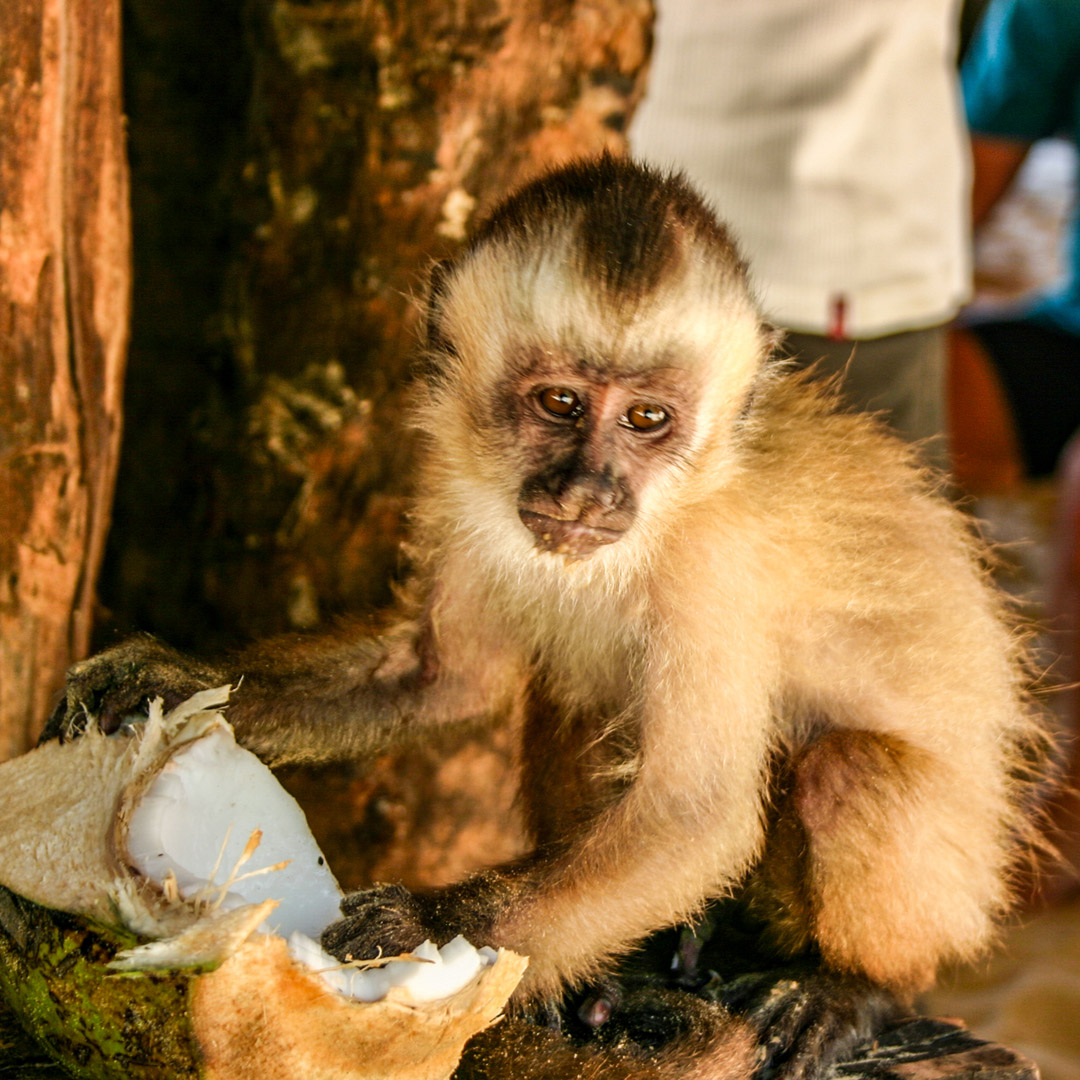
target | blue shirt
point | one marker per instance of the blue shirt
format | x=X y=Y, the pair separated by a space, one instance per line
x=1021 y=80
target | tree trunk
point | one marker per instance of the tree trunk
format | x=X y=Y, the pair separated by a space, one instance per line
x=296 y=166
x=64 y=281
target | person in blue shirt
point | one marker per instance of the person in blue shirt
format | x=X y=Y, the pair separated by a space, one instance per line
x=1021 y=83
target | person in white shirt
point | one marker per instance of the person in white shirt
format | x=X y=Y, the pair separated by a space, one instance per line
x=829 y=134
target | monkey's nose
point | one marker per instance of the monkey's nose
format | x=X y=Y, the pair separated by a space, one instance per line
x=601 y=490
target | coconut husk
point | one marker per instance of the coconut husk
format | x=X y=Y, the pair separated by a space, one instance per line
x=212 y=997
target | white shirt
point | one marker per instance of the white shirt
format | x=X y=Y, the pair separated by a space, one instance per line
x=828 y=134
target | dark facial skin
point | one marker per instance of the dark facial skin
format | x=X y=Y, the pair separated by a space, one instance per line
x=592 y=443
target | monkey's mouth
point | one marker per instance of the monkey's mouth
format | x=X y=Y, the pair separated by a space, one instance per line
x=561 y=537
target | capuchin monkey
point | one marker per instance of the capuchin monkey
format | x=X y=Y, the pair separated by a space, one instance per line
x=755 y=649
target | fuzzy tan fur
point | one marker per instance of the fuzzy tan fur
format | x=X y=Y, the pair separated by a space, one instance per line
x=793 y=573
x=781 y=673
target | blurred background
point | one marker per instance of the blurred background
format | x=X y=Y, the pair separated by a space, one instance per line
x=214 y=218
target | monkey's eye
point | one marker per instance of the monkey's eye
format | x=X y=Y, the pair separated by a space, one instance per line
x=559 y=401
x=645 y=417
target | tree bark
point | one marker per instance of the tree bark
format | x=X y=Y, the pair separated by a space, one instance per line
x=64 y=283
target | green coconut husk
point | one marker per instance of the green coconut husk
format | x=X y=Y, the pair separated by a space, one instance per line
x=54 y=977
x=212 y=997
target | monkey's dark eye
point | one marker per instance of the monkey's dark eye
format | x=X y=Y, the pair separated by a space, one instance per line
x=645 y=417
x=559 y=401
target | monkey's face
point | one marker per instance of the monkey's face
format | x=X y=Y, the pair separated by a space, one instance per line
x=591 y=357
x=589 y=443
x=564 y=421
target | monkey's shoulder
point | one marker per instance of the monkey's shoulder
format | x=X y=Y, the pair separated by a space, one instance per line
x=803 y=429
x=835 y=488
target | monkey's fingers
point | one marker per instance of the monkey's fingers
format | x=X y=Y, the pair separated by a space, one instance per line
x=114 y=688
x=65 y=722
x=383 y=921
x=84 y=705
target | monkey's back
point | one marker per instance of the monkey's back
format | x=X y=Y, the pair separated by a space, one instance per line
x=885 y=594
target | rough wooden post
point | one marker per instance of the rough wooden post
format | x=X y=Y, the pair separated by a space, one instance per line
x=64 y=287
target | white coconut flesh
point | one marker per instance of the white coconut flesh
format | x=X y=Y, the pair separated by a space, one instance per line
x=196 y=826
x=433 y=975
x=195 y=821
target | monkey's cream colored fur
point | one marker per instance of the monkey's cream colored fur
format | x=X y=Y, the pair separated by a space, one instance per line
x=793 y=571
x=753 y=652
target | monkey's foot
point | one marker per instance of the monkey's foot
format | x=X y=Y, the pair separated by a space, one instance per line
x=387 y=920
x=806 y=1020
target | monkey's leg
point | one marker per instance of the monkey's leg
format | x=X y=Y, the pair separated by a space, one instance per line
x=903 y=862
x=807 y=1017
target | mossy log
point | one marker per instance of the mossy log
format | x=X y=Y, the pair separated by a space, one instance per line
x=100 y=1025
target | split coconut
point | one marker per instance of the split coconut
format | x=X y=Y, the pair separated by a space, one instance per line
x=161 y=906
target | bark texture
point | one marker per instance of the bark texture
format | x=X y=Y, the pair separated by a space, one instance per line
x=64 y=286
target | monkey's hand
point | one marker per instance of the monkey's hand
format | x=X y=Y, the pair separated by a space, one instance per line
x=387 y=920
x=807 y=1018
x=115 y=687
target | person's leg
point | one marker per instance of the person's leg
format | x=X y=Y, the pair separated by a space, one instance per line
x=902 y=376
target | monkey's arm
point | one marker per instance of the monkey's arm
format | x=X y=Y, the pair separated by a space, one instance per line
x=680 y=834
x=686 y=828
x=349 y=693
